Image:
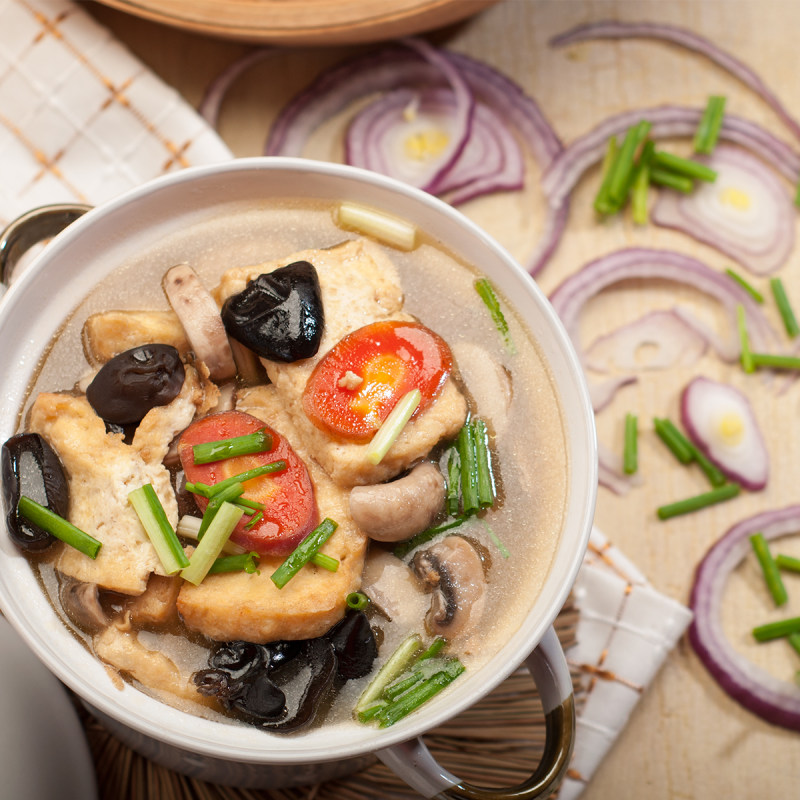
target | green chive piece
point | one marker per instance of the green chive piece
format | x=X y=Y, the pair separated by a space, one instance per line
x=751 y=290
x=434 y=648
x=748 y=365
x=619 y=179
x=465 y=442
x=602 y=201
x=326 y=562
x=393 y=426
x=787 y=562
x=486 y=292
x=777 y=630
x=358 y=601
x=717 y=495
x=154 y=520
x=402 y=549
x=51 y=522
x=797 y=195
x=483 y=462
x=257 y=442
x=640 y=194
x=371 y=711
x=707 y=133
x=252 y=505
x=248 y=475
x=257 y=517
x=684 y=166
x=782 y=301
x=775 y=361
x=232 y=493
x=495 y=539
x=671 y=180
x=677 y=443
x=794 y=641
x=244 y=562
x=210 y=546
x=453 y=482
x=302 y=554
x=772 y=575
x=630 y=458
x=397 y=663
x=414 y=698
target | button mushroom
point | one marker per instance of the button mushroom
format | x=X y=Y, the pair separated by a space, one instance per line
x=453 y=569
x=389 y=512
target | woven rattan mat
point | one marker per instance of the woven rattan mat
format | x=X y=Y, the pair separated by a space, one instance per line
x=494 y=743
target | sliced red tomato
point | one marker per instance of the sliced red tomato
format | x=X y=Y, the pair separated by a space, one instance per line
x=358 y=382
x=291 y=509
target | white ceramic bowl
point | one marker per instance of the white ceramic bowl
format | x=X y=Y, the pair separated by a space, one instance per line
x=31 y=313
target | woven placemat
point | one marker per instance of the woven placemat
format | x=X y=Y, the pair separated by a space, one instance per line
x=496 y=742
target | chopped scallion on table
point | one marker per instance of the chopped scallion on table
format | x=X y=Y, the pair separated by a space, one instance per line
x=677 y=443
x=684 y=166
x=486 y=292
x=393 y=426
x=690 y=504
x=210 y=546
x=775 y=361
x=785 y=308
x=257 y=442
x=744 y=341
x=630 y=459
x=663 y=177
x=787 y=562
x=154 y=520
x=707 y=133
x=777 y=630
x=51 y=522
x=622 y=168
x=794 y=641
x=751 y=290
x=772 y=575
x=303 y=553
x=602 y=203
x=640 y=194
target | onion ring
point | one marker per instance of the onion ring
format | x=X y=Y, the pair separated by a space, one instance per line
x=775 y=701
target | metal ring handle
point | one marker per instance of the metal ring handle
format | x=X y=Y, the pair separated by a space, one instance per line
x=31 y=228
x=414 y=763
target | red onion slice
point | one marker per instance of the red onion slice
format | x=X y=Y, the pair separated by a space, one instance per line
x=774 y=700
x=721 y=421
x=610 y=29
x=746 y=213
x=568 y=167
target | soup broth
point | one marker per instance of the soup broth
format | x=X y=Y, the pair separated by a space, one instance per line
x=513 y=392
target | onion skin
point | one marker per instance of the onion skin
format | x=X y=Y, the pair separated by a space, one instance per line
x=775 y=701
x=747 y=463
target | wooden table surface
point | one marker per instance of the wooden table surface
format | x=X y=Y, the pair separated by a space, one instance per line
x=686 y=739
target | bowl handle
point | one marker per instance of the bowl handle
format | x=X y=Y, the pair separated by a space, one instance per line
x=414 y=763
x=31 y=228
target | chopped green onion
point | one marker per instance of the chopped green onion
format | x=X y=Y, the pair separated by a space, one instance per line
x=777 y=630
x=251 y=505
x=744 y=341
x=771 y=574
x=51 y=522
x=394 y=666
x=257 y=442
x=189 y=527
x=751 y=290
x=232 y=492
x=483 y=461
x=371 y=711
x=402 y=549
x=707 y=133
x=602 y=203
x=663 y=177
x=487 y=294
x=674 y=440
x=326 y=562
x=154 y=520
x=453 y=481
x=470 y=501
x=434 y=648
x=619 y=179
x=794 y=641
x=782 y=301
x=242 y=477
x=630 y=458
x=775 y=361
x=254 y=521
x=358 y=601
x=210 y=546
x=640 y=193
x=393 y=426
x=684 y=166
x=388 y=229
x=717 y=495
x=302 y=554
x=787 y=562
x=797 y=195
x=244 y=562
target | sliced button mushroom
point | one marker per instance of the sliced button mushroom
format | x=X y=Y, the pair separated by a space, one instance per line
x=453 y=569
x=389 y=512
x=81 y=602
x=393 y=588
x=199 y=315
x=487 y=380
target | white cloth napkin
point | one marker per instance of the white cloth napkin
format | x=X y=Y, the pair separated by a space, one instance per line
x=82 y=120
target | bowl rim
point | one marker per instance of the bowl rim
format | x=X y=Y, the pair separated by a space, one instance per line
x=137 y=711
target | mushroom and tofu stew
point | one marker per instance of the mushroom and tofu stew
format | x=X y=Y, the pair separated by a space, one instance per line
x=280 y=472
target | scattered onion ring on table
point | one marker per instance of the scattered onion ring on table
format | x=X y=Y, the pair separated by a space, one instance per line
x=722 y=423
x=774 y=700
x=745 y=213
